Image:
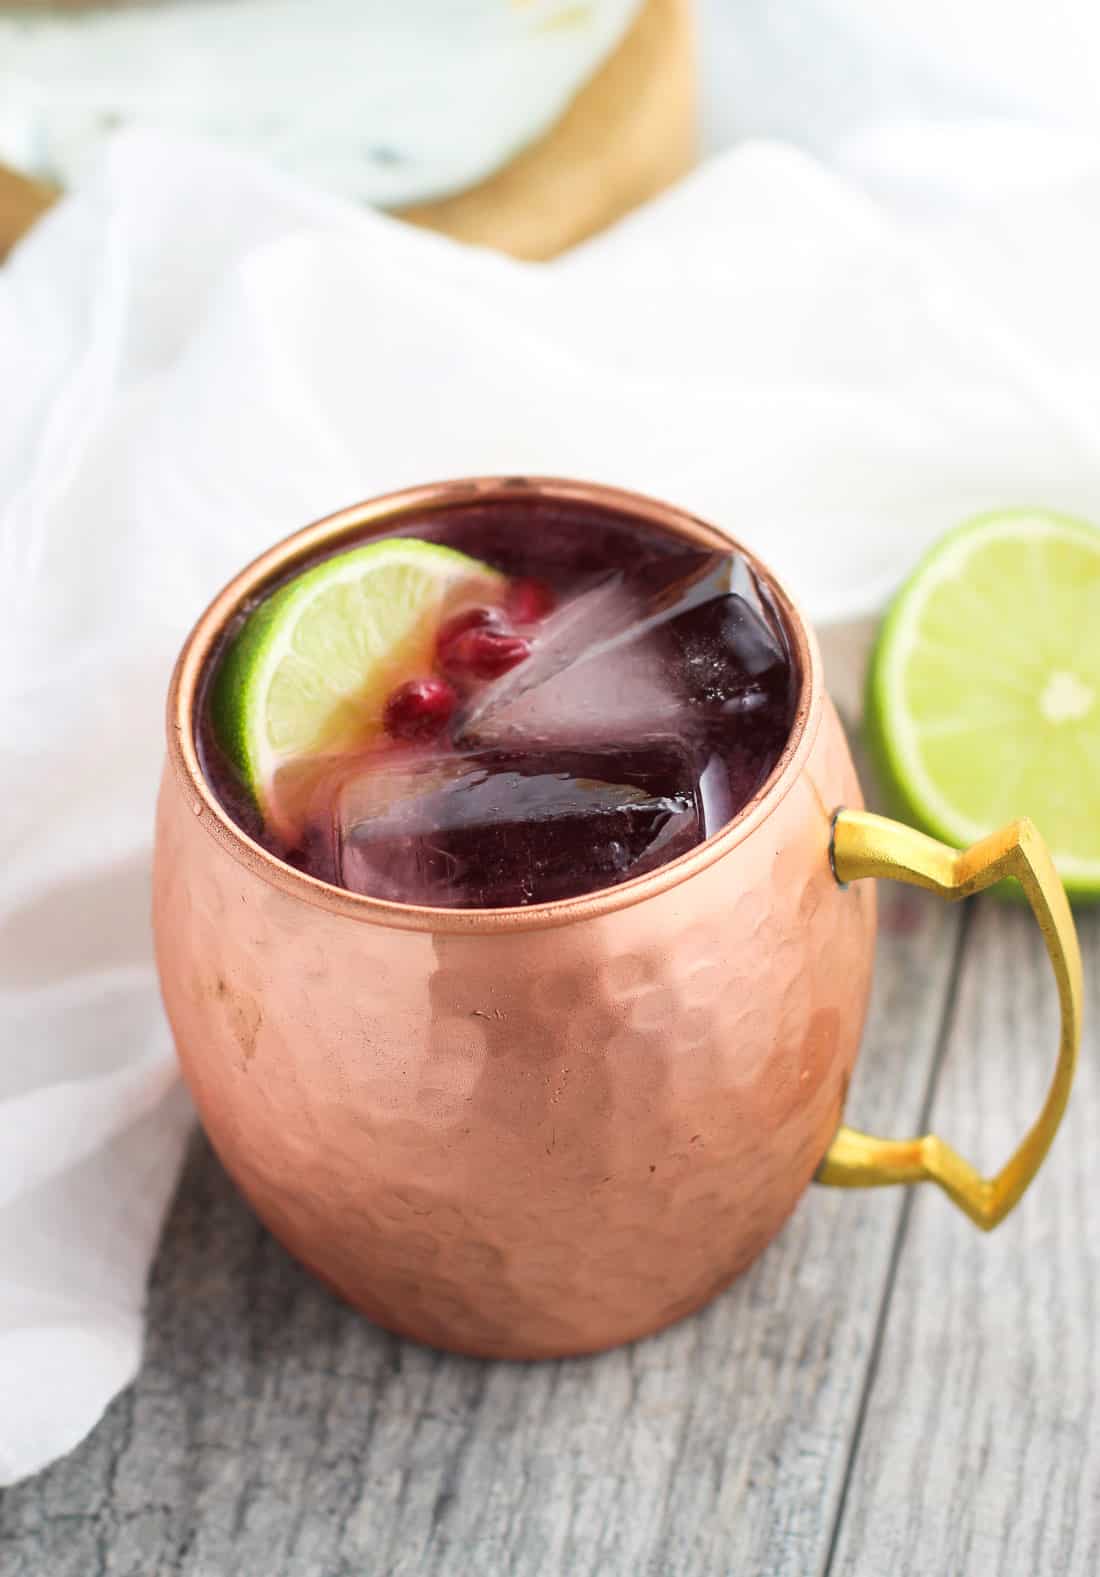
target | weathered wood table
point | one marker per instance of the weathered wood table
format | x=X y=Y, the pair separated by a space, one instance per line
x=886 y=1392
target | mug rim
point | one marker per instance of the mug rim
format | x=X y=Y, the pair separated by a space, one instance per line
x=388 y=511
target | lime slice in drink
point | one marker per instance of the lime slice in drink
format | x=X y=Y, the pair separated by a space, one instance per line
x=311 y=669
x=983 y=699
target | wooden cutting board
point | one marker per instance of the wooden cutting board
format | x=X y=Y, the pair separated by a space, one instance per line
x=21 y=202
x=629 y=133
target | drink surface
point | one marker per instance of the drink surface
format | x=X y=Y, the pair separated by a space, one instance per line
x=591 y=700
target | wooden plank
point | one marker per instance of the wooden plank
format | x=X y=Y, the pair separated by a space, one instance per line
x=981 y=1452
x=273 y=1431
x=845 y=653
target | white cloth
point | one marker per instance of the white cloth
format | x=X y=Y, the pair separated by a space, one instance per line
x=198 y=356
x=815 y=72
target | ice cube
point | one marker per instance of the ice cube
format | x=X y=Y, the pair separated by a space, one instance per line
x=586 y=683
x=727 y=661
x=687 y=660
x=501 y=828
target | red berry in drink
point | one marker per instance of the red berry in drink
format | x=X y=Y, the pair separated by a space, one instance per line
x=453 y=629
x=478 y=644
x=529 y=600
x=420 y=709
x=485 y=653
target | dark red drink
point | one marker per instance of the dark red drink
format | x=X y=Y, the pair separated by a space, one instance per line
x=621 y=697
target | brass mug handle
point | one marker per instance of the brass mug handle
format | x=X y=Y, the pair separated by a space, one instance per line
x=867 y=845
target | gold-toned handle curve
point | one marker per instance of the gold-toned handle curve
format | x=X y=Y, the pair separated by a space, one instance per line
x=868 y=845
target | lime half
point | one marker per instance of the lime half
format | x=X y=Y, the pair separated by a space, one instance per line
x=310 y=671
x=983 y=699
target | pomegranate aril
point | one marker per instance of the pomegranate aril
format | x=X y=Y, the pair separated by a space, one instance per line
x=419 y=709
x=484 y=654
x=453 y=629
x=481 y=617
x=529 y=600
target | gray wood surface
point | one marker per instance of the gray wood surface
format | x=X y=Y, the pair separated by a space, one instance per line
x=980 y=1450
x=886 y=1391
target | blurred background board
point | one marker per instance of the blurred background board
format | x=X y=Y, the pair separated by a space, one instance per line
x=628 y=133
x=22 y=201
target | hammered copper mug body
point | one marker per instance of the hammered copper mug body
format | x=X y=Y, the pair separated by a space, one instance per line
x=521 y=1133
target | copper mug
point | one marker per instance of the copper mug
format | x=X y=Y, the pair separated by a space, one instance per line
x=535 y=1132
